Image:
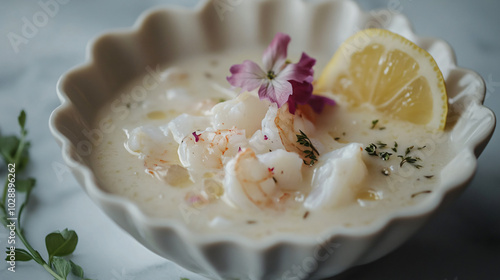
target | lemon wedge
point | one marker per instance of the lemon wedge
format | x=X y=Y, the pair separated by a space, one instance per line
x=388 y=73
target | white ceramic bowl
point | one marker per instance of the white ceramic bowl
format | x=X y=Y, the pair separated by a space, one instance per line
x=318 y=27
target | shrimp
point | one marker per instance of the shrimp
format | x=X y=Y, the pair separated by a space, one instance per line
x=280 y=130
x=249 y=183
x=209 y=150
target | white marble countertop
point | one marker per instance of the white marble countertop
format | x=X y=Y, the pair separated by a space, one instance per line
x=462 y=242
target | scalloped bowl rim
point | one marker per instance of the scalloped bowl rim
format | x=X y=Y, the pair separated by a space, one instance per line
x=201 y=239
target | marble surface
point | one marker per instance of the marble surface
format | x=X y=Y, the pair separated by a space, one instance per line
x=462 y=242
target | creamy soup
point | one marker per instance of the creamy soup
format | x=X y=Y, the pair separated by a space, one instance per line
x=185 y=146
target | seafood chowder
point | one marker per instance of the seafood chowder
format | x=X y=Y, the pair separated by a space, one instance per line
x=254 y=151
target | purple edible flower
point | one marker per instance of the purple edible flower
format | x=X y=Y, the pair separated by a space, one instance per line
x=280 y=79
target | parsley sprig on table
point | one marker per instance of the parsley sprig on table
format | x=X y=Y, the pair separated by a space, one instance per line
x=14 y=151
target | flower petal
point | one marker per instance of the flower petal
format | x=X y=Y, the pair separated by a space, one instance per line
x=301 y=91
x=301 y=94
x=247 y=76
x=318 y=102
x=275 y=55
x=305 y=66
x=277 y=91
x=300 y=72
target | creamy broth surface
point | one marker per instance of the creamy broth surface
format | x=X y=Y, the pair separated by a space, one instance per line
x=160 y=155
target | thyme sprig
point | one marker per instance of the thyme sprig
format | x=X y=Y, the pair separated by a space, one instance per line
x=395 y=148
x=409 y=159
x=372 y=150
x=311 y=153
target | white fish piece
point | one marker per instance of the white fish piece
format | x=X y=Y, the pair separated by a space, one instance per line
x=337 y=178
x=248 y=183
x=286 y=168
x=243 y=112
x=185 y=125
x=209 y=150
x=149 y=140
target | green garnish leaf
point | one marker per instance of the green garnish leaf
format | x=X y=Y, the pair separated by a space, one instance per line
x=371 y=149
x=21 y=119
x=374 y=123
x=61 y=266
x=395 y=148
x=21 y=255
x=76 y=269
x=25 y=185
x=8 y=148
x=385 y=155
x=61 y=243
x=410 y=160
x=311 y=154
x=15 y=152
x=381 y=145
x=408 y=150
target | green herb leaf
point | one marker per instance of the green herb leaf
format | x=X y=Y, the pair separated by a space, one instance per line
x=15 y=150
x=61 y=243
x=410 y=160
x=76 y=269
x=385 y=155
x=8 y=148
x=21 y=255
x=21 y=119
x=311 y=154
x=25 y=185
x=374 y=123
x=381 y=145
x=371 y=149
x=395 y=148
x=61 y=266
